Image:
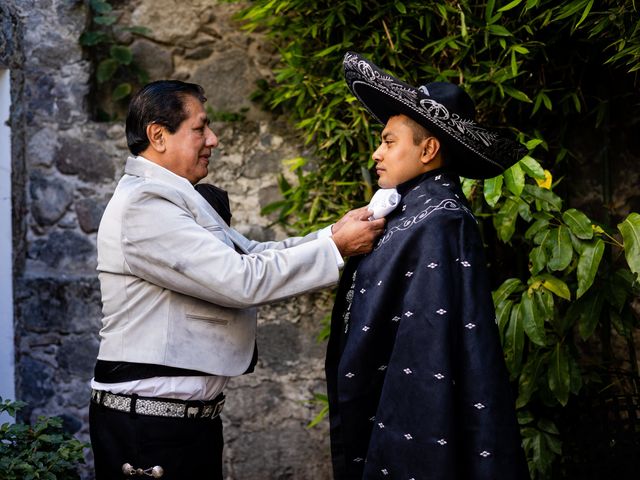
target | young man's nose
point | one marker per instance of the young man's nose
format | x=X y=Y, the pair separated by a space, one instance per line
x=377 y=156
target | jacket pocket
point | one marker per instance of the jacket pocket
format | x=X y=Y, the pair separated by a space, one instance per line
x=204 y=318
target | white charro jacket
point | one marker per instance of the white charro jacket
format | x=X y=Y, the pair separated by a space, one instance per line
x=175 y=291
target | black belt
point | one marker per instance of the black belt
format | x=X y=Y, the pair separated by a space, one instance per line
x=159 y=407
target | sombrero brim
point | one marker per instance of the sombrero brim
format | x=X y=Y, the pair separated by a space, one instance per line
x=472 y=150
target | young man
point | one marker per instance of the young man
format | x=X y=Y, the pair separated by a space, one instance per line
x=417 y=383
x=179 y=287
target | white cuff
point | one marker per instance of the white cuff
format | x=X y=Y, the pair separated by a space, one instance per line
x=326 y=232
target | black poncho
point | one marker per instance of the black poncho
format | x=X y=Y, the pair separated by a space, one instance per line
x=416 y=377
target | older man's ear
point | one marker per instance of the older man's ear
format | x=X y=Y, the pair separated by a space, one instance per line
x=155 y=134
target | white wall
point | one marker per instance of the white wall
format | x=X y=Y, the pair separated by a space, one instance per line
x=7 y=386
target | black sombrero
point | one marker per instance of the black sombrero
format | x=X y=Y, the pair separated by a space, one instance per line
x=443 y=108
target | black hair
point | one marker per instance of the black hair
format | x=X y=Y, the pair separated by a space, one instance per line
x=161 y=102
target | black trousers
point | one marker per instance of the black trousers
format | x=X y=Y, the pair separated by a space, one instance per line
x=185 y=448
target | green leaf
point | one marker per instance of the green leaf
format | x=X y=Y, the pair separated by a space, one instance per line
x=547 y=196
x=400 y=7
x=514 y=179
x=579 y=223
x=498 y=30
x=537 y=260
x=554 y=285
x=121 y=91
x=503 y=310
x=509 y=286
x=517 y=94
x=528 y=381
x=559 y=379
x=105 y=20
x=588 y=265
x=505 y=220
x=100 y=6
x=536 y=227
x=588 y=311
x=514 y=341
x=532 y=168
x=533 y=321
x=90 y=39
x=493 y=190
x=630 y=230
x=510 y=5
x=121 y=54
x=106 y=69
x=561 y=249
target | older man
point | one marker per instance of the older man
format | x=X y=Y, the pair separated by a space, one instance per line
x=179 y=287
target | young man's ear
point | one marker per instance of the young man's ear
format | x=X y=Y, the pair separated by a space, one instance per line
x=155 y=134
x=430 y=149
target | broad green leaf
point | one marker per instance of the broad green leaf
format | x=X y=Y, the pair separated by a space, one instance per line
x=400 y=7
x=555 y=285
x=630 y=230
x=588 y=265
x=533 y=320
x=559 y=379
x=575 y=375
x=121 y=91
x=532 y=371
x=514 y=341
x=121 y=54
x=561 y=249
x=544 y=195
x=106 y=69
x=531 y=167
x=503 y=310
x=544 y=303
x=509 y=286
x=505 y=220
x=514 y=179
x=537 y=260
x=579 y=223
x=100 y=6
x=105 y=20
x=493 y=190
x=536 y=227
x=89 y=39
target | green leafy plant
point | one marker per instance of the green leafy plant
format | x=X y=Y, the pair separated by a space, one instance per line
x=116 y=72
x=41 y=451
x=552 y=72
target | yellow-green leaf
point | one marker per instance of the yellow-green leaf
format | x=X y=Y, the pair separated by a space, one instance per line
x=493 y=190
x=514 y=179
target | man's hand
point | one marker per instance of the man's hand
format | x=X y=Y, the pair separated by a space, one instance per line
x=356 y=213
x=354 y=234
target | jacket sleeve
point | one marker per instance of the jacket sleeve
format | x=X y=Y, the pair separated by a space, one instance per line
x=163 y=244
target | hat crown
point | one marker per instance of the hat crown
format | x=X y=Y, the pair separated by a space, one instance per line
x=449 y=95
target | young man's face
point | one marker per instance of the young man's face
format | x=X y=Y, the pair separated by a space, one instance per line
x=189 y=148
x=397 y=158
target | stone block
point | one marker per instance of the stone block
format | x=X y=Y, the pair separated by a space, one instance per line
x=154 y=59
x=36 y=385
x=89 y=212
x=50 y=197
x=85 y=158
x=68 y=252
x=77 y=355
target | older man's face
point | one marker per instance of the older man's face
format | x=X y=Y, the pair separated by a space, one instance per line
x=189 y=148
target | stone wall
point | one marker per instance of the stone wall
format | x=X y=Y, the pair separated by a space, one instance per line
x=65 y=167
